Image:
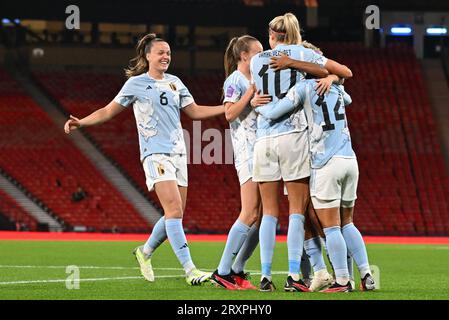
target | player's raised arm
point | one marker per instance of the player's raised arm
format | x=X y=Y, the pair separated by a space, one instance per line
x=285 y=62
x=97 y=117
x=233 y=110
x=294 y=97
x=197 y=112
x=338 y=69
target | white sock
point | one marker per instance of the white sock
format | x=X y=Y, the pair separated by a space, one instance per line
x=268 y=277
x=364 y=270
x=189 y=267
x=148 y=251
x=342 y=281
x=295 y=276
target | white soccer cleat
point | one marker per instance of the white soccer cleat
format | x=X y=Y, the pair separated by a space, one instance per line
x=197 y=277
x=145 y=264
x=367 y=283
x=321 y=280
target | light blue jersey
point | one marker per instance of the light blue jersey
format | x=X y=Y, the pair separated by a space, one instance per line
x=243 y=128
x=157 y=105
x=277 y=83
x=327 y=123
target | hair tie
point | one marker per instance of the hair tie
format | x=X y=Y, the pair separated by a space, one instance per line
x=283 y=33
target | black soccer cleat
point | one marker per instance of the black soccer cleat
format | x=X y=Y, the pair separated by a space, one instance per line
x=336 y=287
x=224 y=281
x=266 y=285
x=295 y=286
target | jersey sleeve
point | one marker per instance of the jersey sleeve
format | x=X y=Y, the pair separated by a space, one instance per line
x=127 y=95
x=314 y=57
x=232 y=91
x=252 y=64
x=295 y=96
x=185 y=96
x=346 y=97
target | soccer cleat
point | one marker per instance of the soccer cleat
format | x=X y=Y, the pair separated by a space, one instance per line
x=336 y=287
x=197 y=277
x=145 y=264
x=307 y=282
x=224 y=281
x=367 y=283
x=266 y=285
x=295 y=286
x=321 y=280
x=352 y=282
x=242 y=280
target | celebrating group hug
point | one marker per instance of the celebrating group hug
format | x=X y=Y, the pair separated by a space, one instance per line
x=286 y=109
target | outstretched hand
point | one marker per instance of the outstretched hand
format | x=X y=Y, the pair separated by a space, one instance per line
x=323 y=85
x=260 y=99
x=280 y=63
x=72 y=124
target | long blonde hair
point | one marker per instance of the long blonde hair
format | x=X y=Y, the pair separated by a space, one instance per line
x=236 y=46
x=139 y=64
x=309 y=45
x=286 y=29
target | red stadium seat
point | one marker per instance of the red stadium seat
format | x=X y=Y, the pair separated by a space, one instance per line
x=49 y=166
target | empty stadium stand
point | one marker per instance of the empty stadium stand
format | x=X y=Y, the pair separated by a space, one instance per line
x=15 y=214
x=38 y=155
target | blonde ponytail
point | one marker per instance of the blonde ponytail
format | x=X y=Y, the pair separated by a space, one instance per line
x=286 y=29
x=309 y=45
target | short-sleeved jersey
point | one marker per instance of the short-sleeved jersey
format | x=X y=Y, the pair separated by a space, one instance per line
x=243 y=128
x=157 y=105
x=327 y=123
x=277 y=83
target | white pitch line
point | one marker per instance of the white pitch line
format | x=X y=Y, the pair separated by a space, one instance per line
x=86 y=267
x=63 y=267
x=83 y=280
x=255 y=272
x=105 y=279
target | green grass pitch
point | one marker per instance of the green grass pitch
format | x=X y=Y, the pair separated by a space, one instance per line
x=108 y=270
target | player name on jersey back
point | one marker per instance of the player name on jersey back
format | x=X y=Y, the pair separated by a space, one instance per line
x=275 y=53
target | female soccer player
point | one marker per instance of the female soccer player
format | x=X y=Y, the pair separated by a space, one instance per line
x=281 y=149
x=157 y=98
x=334 y=175
x=242 y=119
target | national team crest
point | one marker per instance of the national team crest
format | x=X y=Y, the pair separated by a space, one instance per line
x=161 y=170
x=172 y=86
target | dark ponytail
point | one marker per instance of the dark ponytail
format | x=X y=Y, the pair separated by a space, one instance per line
x=230 y=61
x=236 y=46
x=139 y=64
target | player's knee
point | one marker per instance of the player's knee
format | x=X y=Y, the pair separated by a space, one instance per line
x=173 y=208
x=347 y=212
x=249 y=217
